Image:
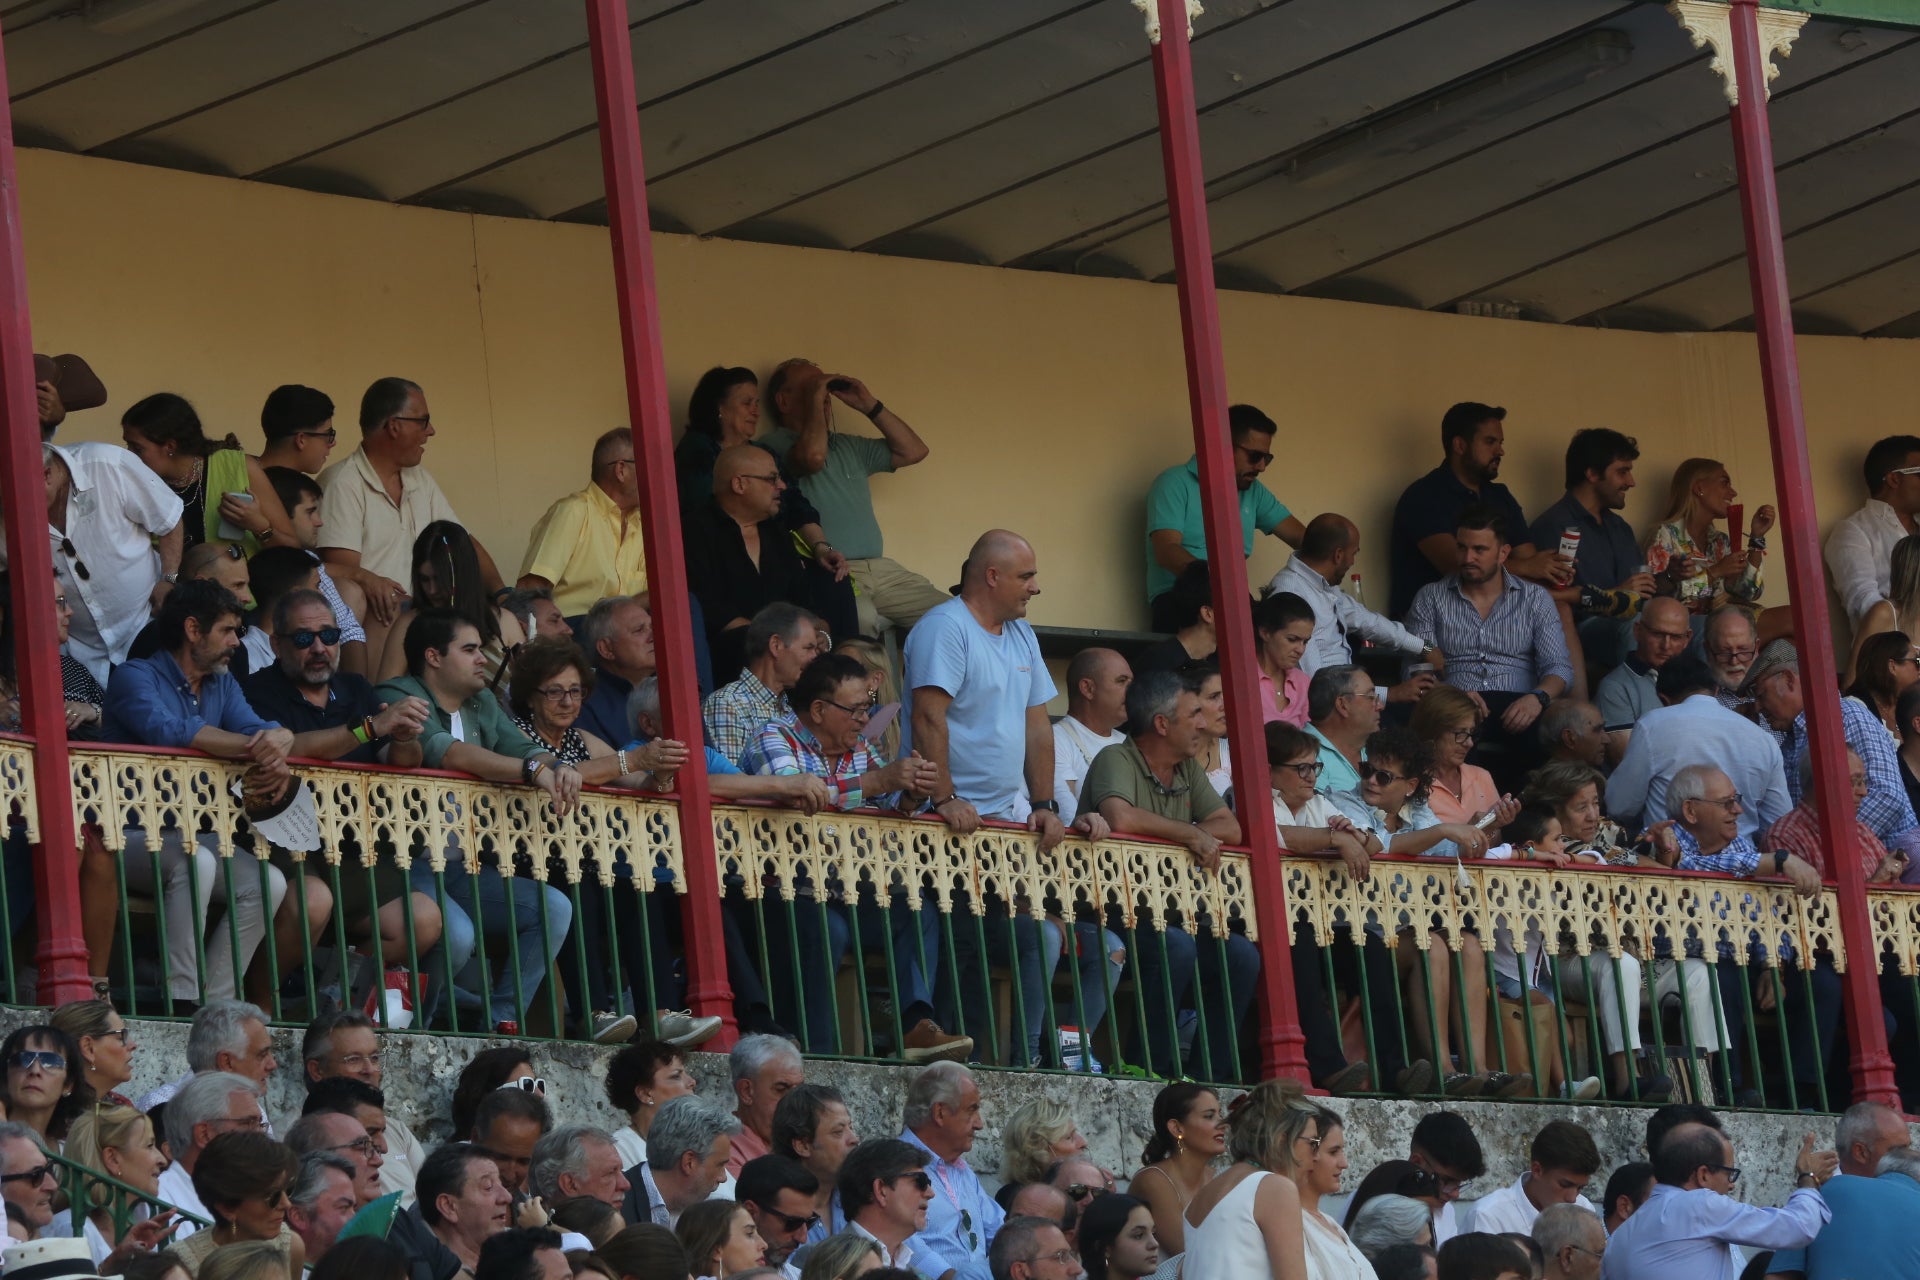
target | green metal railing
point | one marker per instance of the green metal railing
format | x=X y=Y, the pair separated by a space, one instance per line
x=85 y=1191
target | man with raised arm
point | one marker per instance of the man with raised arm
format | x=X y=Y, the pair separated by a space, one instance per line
x=835 y=468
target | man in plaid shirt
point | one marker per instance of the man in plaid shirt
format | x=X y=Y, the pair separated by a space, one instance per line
x=822 y=737
x=781 y=640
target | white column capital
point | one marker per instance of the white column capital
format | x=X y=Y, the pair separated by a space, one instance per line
x=1151 y=8
x=1709 y=24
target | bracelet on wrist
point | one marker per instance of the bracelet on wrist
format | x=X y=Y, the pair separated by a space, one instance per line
x=621 y=756
x=879 y=407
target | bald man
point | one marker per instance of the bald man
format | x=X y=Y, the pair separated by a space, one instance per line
x=979 y=691
x=1661 y=633
x=742 y=556
x=1326 y=556
x=219 y=562
x=1097 y=681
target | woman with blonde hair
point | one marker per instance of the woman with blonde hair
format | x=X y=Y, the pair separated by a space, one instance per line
x=105 y=1042
x=845 y=1256
x=1690 y=556
x=1247 y=1222
x=119 y=1142
x=1038 y=1135
x=883 y=691
x=248 y=1260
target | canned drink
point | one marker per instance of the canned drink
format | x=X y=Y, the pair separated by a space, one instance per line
x=1570 y=542
x=1420 y=669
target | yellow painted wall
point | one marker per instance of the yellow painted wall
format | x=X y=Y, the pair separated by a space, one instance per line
x=1049 y=402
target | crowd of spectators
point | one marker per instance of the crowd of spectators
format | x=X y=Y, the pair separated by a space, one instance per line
x=237 y=606
x=524 y=1183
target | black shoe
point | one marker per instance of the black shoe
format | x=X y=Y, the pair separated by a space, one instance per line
x=759 y=1020
x=1751 y=1099
x=1355 y=1077
x=1413 y=1079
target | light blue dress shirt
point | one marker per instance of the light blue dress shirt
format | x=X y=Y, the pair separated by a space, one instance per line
x=961 y=1221
x=149 y=702
x=1686 y=1234
x=1698 y=730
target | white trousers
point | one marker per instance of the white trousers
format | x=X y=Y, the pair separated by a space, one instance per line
x=190 y=886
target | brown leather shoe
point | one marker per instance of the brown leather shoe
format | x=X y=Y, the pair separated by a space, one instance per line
x=926 y=1042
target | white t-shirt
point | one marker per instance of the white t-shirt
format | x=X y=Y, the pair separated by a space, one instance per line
x=1316 y=812
x=1074 y=747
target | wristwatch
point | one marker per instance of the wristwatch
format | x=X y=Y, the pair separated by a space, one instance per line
x=1546 y=699
x=1051 y=806
x=1779 y=861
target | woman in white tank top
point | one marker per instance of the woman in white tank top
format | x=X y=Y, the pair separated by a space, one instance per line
x=1246 y=1223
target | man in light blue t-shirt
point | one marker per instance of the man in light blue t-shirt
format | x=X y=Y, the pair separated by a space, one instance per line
x=1176 y=527
x=978 y=692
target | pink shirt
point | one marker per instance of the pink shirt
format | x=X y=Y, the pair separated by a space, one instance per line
x=1477 y=795
x=1294 y=683
x=747 y=1145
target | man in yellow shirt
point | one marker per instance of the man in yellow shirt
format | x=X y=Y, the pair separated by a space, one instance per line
x=587 y=547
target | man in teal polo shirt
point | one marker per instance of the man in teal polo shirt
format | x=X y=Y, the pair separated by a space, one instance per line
x=833 y=469
x=1342 y=713
x=1176 y=527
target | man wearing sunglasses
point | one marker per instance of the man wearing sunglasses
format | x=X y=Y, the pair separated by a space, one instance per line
x=28 y=1178
x=885 y=1191
x=1176 y=526
x=117 y=541
x=1860 y=548
x=779 y=1193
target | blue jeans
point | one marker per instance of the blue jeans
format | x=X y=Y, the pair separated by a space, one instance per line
x=484 y=898
x=1099 y=974
x=1227 y=988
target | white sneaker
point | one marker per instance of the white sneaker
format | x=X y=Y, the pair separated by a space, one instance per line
x=1581 y=1090
x=682 y=1028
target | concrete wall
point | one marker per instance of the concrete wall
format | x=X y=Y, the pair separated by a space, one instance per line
x=1115 y=1115
x=1049 y=401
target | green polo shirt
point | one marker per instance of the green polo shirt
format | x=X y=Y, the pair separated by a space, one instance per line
x=482 y=723
x=1174 y=503
x=839 y=488
x=1120 y=770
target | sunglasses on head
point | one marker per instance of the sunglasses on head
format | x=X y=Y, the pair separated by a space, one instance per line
x=528 y=1084
x=328 y=636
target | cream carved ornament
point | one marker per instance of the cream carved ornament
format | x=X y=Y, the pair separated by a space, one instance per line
x=1151 y=9
x=1709 y=23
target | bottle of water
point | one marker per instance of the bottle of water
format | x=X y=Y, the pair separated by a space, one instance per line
x=1359 y=595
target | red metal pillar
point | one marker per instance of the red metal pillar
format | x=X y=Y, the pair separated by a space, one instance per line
x=62 y=953
x=626 y=180
x=1282 y=1047
x=1780 y=376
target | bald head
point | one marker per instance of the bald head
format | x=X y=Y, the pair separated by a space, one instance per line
x=747 y=483
x=1328 y=535
x=1000 y=576
x=995 y=549
x=1097 y=681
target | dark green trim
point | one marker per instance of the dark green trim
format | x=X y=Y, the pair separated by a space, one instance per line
x=1892 y=13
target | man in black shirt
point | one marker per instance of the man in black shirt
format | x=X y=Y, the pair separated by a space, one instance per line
x=335 y=716
x=1424 y=520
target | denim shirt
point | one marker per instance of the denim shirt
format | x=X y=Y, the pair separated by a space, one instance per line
x=149 y=702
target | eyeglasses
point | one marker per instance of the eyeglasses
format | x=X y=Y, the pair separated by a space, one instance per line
x=772 y=479
x=1730 y=803
x=79 y=565
x=858 y=713
x=354 y=1061
x=1386 y=778
x=45 y=1059
x=1733 y=655
x=1462 y=735
x=1064 y=1257
x=1312 y=1142
x=528 y=1084
x=426 y=420
x=278 y=1198
x=1732 y=1171
x=558 y=693
x=328 y=636
x=120 y=1032
x=919 y=1178
x=245 y=1122
x=1084 y=1191
x=1310 y=770
x=1905 y=471
x=329 y=435
x=30 y=1175
x=790 y=1223
x=365 y=1146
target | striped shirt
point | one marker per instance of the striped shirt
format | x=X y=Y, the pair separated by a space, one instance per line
x=790 y=749
x=1514 y=649
x=1885 y=809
